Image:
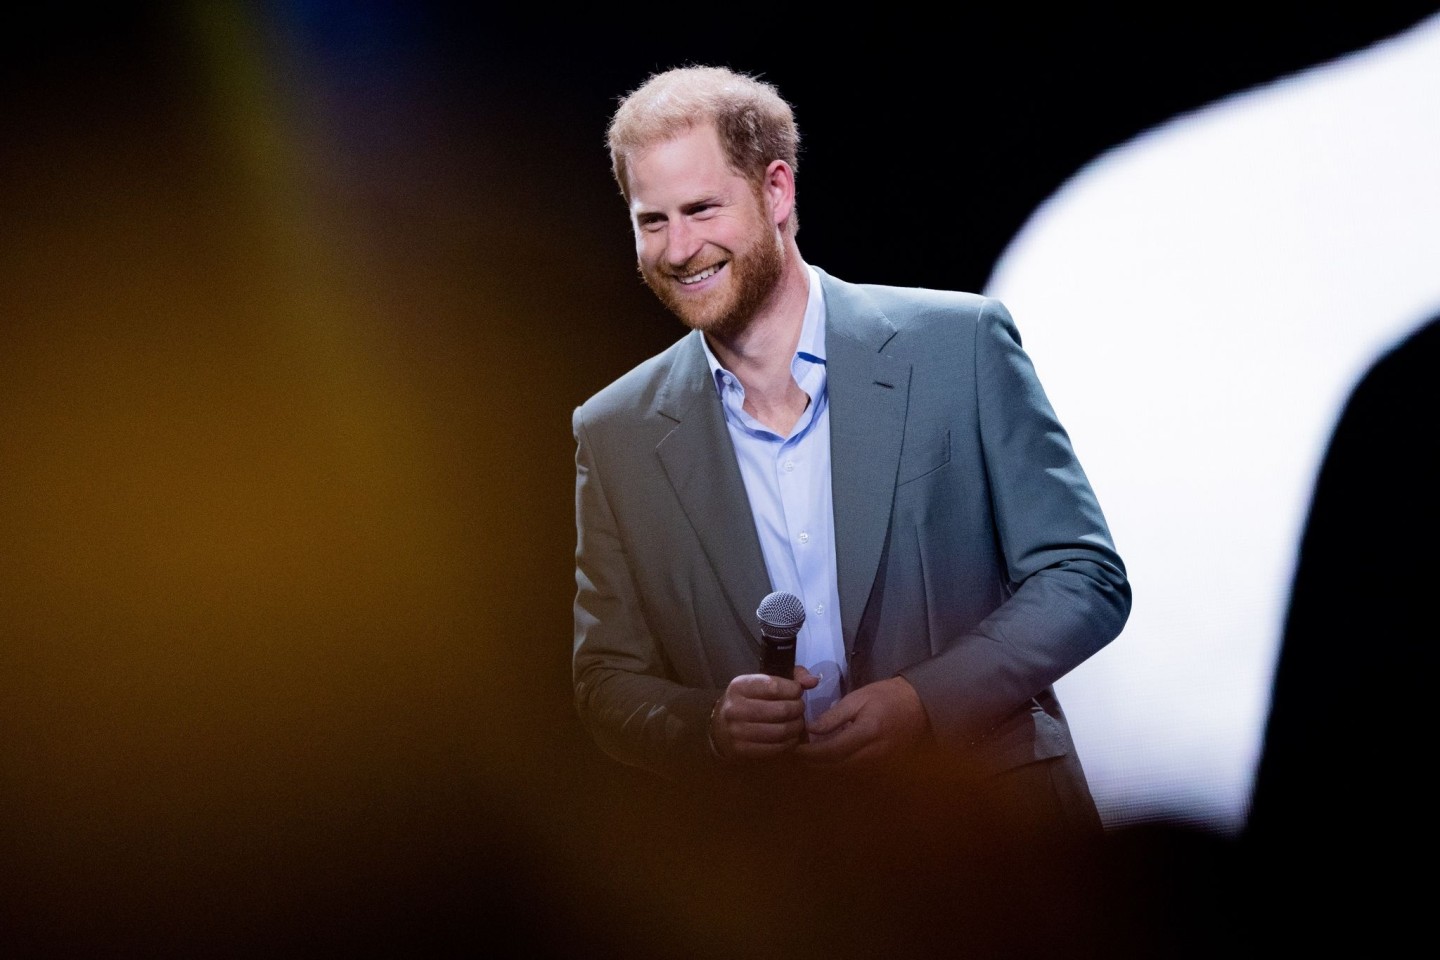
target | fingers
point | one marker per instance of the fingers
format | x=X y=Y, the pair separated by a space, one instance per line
x=838 y=734
x=762 y=686
x=844 y=711
x=872 y=723
x=735 y=710
x=782 y=735
x=758 y=716
x=754 y=741
x=761 y=716
x=845 y=745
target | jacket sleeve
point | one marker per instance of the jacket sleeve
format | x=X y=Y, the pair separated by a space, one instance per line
x=622 y=692
x=1067 y=590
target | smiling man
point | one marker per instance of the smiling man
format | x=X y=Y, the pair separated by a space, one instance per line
x=886 y=455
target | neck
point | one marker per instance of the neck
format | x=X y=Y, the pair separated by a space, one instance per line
x=761 y=354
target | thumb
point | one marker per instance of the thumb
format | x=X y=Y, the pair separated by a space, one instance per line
x=805 y=678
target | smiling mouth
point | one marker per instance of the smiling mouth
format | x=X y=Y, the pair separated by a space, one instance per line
x=705 y=274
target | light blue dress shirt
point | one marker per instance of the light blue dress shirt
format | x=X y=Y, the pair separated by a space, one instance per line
x=788 y=482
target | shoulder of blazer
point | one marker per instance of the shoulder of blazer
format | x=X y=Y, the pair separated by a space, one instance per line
x=873 y=313
x=663 y=384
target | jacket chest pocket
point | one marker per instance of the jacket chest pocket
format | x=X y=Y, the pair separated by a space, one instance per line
x=925 y=450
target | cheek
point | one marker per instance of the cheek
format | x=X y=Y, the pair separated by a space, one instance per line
x=648 y=247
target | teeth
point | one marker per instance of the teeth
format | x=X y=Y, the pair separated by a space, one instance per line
x=705 y=274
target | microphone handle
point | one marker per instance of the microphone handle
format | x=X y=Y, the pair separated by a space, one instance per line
x=779 y=655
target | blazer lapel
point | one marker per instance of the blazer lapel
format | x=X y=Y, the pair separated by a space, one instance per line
x=699 y=460
x=869 y=393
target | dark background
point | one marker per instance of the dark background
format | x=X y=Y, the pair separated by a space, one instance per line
x=295 y=302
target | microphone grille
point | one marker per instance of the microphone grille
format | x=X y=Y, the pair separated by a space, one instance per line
x=783 y=613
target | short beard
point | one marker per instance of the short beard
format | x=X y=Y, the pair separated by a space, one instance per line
x=756 y=273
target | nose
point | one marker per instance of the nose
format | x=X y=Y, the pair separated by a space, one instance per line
x=681 y=242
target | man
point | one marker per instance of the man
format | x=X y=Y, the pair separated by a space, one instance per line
x=887 y=455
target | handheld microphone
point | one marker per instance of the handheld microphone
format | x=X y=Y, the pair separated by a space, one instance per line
x=781 y=616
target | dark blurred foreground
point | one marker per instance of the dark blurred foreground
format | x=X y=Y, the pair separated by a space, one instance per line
x=607 y=864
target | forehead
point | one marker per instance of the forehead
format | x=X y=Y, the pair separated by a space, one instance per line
x=681 y=169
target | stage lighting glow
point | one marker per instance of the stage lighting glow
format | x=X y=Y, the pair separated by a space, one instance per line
x=1199 y=302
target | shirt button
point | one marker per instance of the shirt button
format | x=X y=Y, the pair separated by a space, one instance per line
x=820 y=608
x=789 y=465
x=804 y=537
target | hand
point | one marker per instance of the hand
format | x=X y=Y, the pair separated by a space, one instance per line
x=867 y=725
x=760 y=716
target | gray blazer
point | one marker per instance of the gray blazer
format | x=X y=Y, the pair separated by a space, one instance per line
x=973 y=557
